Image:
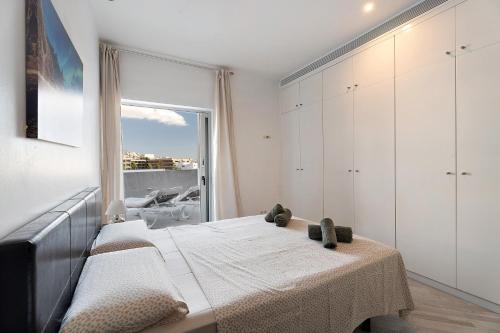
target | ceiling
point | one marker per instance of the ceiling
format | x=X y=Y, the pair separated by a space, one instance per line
x=272 y=37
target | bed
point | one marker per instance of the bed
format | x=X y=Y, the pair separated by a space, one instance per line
x=246 y=275
x=239 y=275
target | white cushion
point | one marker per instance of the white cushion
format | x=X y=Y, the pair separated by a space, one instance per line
x=122 y=236
x=125 y=291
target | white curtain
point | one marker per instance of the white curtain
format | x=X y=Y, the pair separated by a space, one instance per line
x=111 y=143
x=226 y=194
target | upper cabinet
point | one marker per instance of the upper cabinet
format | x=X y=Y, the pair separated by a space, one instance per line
x=289 y=98
x=478 y=24
x=426 y=45
x=374 y=65
x=337 y=80
x=305 y=92
x=311 y=90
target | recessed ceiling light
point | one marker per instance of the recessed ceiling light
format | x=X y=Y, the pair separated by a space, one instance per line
x=368 y=7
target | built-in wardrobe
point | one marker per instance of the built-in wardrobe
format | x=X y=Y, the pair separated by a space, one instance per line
x=405 y=145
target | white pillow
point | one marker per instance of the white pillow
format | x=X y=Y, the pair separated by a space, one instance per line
x=121 y=236
x=125 y=291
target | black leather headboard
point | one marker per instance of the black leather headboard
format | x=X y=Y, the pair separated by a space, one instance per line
x=40 y=264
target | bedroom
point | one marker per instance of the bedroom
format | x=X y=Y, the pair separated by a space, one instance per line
x=379 y=115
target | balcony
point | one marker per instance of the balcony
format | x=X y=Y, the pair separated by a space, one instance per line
x=163 y=198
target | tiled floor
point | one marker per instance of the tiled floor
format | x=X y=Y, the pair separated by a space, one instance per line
x=438 y=312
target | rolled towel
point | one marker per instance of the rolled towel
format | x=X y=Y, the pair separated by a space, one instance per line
x=269 y=217
x=282 y=219
x=344 y=234
x=314 y=231
x=328 y=233
x=277 y=209
x=288 y=213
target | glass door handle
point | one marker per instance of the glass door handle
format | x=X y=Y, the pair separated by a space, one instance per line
x=203 y=180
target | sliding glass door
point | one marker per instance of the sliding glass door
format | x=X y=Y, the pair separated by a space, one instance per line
x=166 y=163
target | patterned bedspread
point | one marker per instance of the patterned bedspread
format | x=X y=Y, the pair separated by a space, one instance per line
x=261 y=278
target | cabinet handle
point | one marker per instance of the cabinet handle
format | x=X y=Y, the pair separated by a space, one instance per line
x=348 y=88
x=465 y=173
x=296 y=105
x=356 y=85
x=448 y=52
x=301 y=104
x=301 y=169
x=349 y=170
x=357 y=171
x=450 y=173
x=463 y=47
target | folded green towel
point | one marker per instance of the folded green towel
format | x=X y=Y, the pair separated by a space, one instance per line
x=344 y=234
x=277 y=209
x=282 y=219
x=314 y=231
x=328 y=233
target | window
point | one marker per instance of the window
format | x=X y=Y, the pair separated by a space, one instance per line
x=165 y=163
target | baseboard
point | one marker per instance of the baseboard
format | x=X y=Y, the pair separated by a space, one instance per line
x=455 y=292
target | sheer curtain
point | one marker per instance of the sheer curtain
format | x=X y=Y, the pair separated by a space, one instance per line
x=111 y=143
x=226 y=196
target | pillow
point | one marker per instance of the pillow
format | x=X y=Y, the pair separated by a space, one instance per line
x=121 y=236
x=125 y=291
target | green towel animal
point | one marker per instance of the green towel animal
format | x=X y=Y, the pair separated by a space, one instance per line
x=328 y=233
x=276 y=210
x=282 y=219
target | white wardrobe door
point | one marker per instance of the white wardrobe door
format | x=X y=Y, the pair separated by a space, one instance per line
x=425 y=149
x=478 y=24
x=289 y=97
x=337 y=80
x=374 y=192
x=290 y=163
x=478 y=129
x=374 y=188
x=338 y=159
x=311 y=162
x=311 y=89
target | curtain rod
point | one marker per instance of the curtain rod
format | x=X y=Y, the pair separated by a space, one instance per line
x=171 y=59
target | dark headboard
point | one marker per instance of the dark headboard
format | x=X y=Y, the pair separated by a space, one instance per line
x=40 y=264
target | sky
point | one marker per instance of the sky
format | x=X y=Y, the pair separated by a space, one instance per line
x=160 y=132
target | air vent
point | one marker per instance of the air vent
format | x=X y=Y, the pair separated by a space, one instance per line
x=393 y=23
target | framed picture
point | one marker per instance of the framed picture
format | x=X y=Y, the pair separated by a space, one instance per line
x=54 y=78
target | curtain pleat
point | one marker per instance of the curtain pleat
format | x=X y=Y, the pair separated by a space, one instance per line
x=227 y=202
x=111 y=138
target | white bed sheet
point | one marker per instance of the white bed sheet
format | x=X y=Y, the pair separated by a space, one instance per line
x=201 y=318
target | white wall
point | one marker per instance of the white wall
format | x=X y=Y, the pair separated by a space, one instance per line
x=153 y=80
x=35 y=176
x=256 y=114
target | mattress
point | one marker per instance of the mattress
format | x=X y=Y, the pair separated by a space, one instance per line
x=246 y=275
